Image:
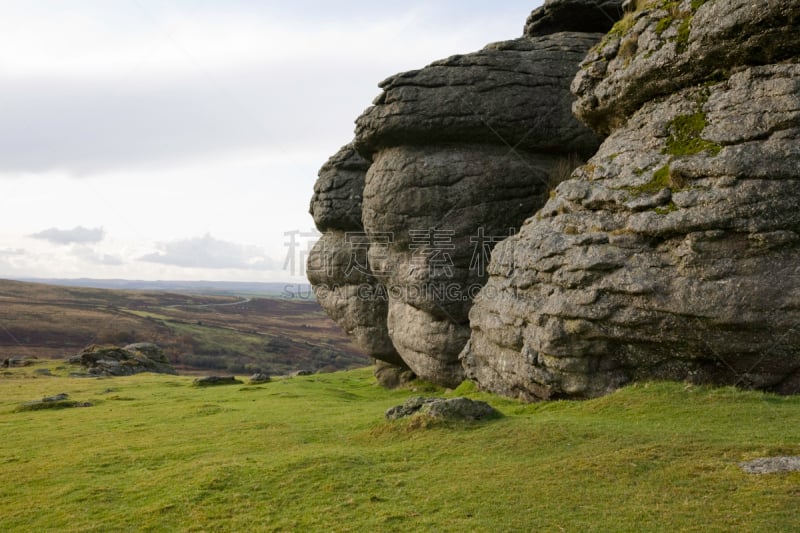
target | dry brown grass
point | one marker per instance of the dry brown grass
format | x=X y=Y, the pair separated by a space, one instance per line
x=563 y=169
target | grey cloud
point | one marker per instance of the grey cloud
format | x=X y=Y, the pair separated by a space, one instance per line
x=208 y=252
x=86 y=127
x=118 y=120
x=77 y=235
x=91 y=256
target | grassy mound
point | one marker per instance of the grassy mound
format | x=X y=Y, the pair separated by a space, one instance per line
x=315 y=454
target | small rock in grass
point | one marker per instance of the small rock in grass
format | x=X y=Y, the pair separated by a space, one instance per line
x=257 y=379
x=12 y=362
x=441 y=408
x=59 y=401
x=212 y=381
x=772 y=465
x=57 y=398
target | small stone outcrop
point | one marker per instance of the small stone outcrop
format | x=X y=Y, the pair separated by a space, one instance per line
x=443 y=409
x=258 y=379
x=17 y=362
x=115 y=361
x=215 y=381
x=674 y=252
x=59 y=401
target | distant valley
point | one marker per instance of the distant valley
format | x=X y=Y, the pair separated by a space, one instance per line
x=204 y=327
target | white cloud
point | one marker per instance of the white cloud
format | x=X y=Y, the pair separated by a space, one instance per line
x=68 y=236
x=208 y=252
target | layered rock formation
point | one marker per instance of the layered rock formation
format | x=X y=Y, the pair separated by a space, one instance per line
x=460 y=153
x=338 y=267
x=674 y=253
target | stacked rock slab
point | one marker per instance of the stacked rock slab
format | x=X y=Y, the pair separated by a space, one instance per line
x=337 y=265
x=674 y=253
x=462 y=152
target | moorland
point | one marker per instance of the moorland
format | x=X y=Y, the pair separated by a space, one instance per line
x=200 y=333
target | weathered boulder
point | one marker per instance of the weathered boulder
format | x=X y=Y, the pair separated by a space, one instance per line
x=462 y=151
x=336 y=204
x=443 y=409
x=512 y=94
x=392 y=376
x=12 y=362
x=345 y=287
x=667 y=45
x=574 y=15
x=259 y=378
x=115 y=361
x=674 y=252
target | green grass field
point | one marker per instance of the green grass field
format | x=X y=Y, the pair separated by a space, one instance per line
x=315 y=454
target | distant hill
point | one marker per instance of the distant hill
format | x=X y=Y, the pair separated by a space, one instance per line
x=280 y=290
x=201 y=333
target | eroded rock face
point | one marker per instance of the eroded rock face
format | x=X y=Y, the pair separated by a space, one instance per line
x=674 y=253
x=462 y=152
x=338 y=267
x=336 y=204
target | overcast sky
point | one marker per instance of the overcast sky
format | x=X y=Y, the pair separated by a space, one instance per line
x=180 y=139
